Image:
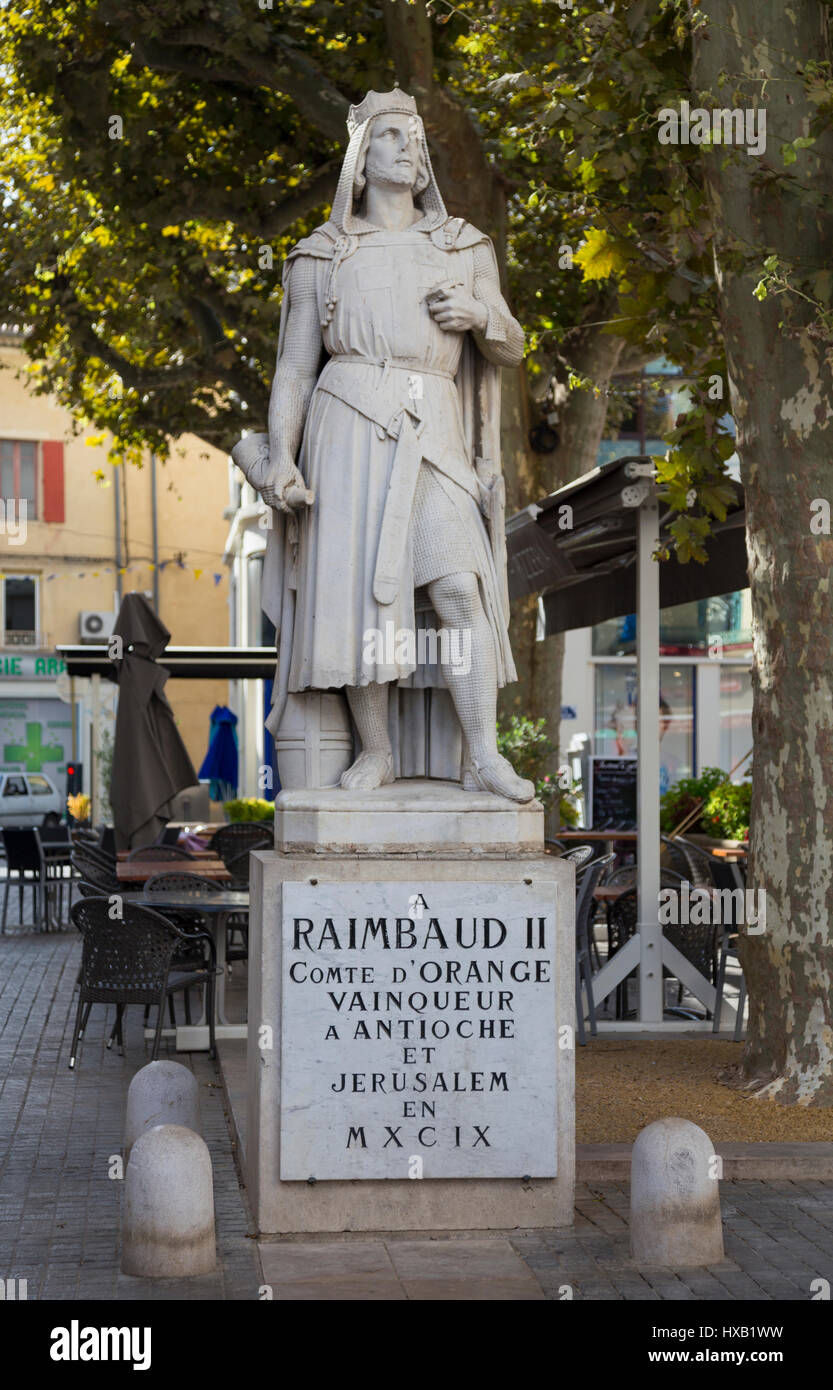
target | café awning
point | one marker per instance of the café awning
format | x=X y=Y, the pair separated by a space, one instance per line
x=588 y=550
x=578 y=548
x=183 y=663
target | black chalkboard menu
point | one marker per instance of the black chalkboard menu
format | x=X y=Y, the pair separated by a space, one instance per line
x=614 y=794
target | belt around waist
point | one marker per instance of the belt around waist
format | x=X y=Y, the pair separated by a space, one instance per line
x=404 y=364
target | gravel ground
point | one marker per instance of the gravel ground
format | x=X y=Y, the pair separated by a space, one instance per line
x=621 y=1086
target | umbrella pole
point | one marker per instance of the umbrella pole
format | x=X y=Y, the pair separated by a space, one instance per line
x=647 y=724
x=95 y=794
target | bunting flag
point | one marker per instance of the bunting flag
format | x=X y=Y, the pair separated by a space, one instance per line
x=198 y=572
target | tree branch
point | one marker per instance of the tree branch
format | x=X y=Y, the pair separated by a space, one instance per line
x=411 y=40
x=320 y=189
x=468 y=179
x=288 y=71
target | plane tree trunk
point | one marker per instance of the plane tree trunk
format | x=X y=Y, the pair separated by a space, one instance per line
x=779 y=361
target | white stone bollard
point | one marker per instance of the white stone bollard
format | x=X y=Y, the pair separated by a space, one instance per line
x=675 y=1202
x=162 y=1093
x=169 y=1206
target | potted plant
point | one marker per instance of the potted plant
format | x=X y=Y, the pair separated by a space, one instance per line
x=249 y=808
x=709 y=809
x=525 y=743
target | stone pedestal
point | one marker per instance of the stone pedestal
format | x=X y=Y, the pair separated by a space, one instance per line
x=411 y=1011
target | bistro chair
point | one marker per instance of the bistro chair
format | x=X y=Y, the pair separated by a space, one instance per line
x=729 y=952
x=92 y=849
x=57 y=848
x=726 y=875
x=56 y=835
x=625 y=877
x=687 y=859
x=230 y=841
x=695 y=941
x=192 y=923
x=159 y=854
x=87 y=890
x=107 y=841
x=580 y=855
x=26 y=867
x=93 y=871
x=131 y=961
x=591 y=877
x=84 y=835
x=237 y=924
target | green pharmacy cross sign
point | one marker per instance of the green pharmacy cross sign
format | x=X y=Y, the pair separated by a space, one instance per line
x=34 y=753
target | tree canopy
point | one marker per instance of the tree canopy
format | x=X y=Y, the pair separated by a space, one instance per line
x=160 y=162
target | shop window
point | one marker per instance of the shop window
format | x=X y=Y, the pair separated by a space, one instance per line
x=735 y=718
x=720 y=626
x=615 y=718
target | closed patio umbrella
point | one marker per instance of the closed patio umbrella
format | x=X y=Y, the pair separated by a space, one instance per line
x=150 y=763
x=219 y=766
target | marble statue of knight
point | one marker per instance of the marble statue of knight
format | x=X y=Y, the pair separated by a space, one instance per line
x=382 y=466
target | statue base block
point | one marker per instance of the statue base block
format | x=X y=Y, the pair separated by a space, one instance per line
x=413 y=817
x=411 y=1011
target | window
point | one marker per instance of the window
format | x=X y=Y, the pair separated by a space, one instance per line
x=38 y=786
x=735 y=718
x=18 y=458
x=20 y=603
x=717 y=627
x=615 y=718
x=15 y=786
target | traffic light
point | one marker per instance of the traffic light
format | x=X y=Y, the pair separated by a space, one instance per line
x=75 y=778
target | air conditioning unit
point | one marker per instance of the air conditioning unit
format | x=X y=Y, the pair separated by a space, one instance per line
x=96 y=625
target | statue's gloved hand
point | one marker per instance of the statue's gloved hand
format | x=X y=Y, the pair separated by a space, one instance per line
x=280 y=486
x=286 y=489
x=455 y=310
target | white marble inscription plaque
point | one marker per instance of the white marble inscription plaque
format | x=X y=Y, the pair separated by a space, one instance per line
x=418 y=1035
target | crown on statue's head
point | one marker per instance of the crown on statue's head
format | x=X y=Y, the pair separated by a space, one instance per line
x=380 y=103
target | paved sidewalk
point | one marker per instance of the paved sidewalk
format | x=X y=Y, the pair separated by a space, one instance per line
x=60 y=1212
x=778 y=1239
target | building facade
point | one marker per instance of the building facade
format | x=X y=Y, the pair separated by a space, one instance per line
x=77 y=534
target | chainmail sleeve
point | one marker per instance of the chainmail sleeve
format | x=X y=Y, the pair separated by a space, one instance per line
x=297 y=367
x=502 y=340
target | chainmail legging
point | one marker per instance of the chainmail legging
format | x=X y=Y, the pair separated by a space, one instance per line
x=369 y=708
x=457 y=603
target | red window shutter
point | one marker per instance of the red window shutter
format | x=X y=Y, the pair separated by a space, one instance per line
x=53 y=480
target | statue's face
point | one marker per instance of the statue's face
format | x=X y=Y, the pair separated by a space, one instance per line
x=392 y=151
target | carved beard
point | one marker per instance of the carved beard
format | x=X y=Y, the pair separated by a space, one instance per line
x=398 y=176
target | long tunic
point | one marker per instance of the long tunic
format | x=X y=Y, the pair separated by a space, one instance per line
x=347 y=456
